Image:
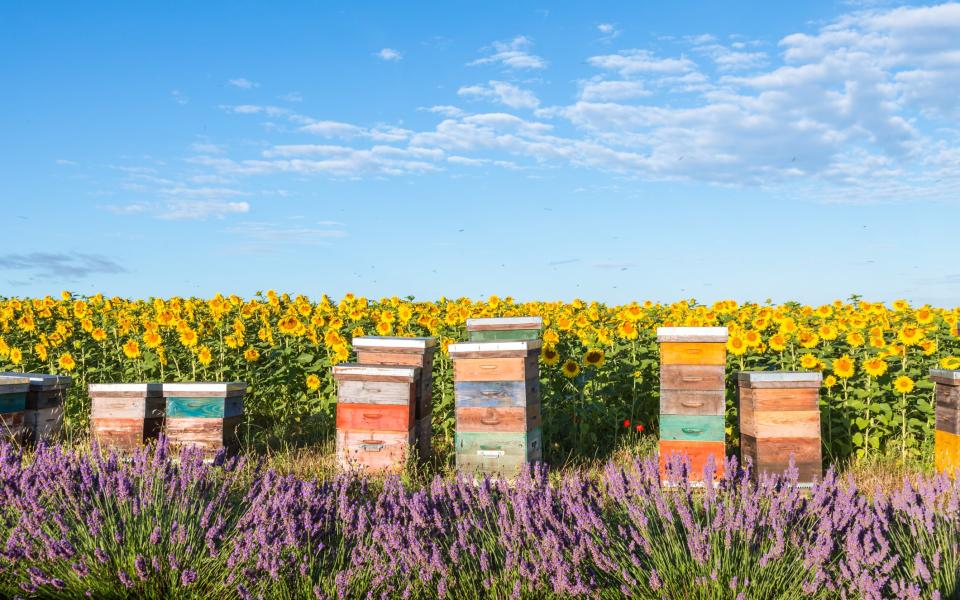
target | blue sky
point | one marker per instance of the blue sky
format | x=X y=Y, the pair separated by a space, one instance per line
x=604 y=150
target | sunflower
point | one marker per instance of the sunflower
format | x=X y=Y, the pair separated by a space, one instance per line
x=809 y=361
x=550 y=337
x=131 y=349
x=188 y=338
x=66 y=362
x=251 y=355
x=829 y=381
x=549 y=355
x=570 y=369
x=152 y=339
x=855 y=339
x=204 y=357
x=594 y=357
x=627 y=330
x=950 y=363
x=384 y=328
x=903 y=384
x=844 y=367
x=875 y=367
x=288 y=325
x=16 y=356
x=910 y=335
x=808 y=339
x=736 y=345
x=828 y=332
x=313 y=382
x=752 y=339
x=778 y=342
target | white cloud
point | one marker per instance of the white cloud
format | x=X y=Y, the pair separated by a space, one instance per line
x=200 y=209
x=445 y=110
x=609 y=32
x=179 y=97
x=207 y=148
x=242 y=83
x=292 y=97
x=390 y=55
x=502 y=92
x=275 y=233
x=512 y=55
x=602 y=91
x=65 y=162
x=332 y=129
x=636 y=62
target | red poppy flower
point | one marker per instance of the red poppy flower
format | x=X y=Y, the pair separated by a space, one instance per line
x=639 y=427
x=626 y=422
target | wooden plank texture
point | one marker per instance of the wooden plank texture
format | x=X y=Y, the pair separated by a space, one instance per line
x=45 y=399
x=209 y=408
x=127 y=408
x=125 y=433
x=704 y=428
x=414 y=345
x=423 y=432
x=481 y=394
x=417 y=359
x=205 y=433
x=692 y=334
x=695 y=402
x=361 y=372
x=374 y=452
x=377 y=392
x=779 y=379
x=505 y=419
x=948 y=419
x=699 y=353
x=495 y=369
x=504 y=323
x=945 y=377
x=946 y=452
x=13 y=402
x=948 y=396
x=375 y=417
x=772 y=456
x=43 y=424
x=779 y=399
x=502 y=349
x=499 y=454
x=780 y=424
x=692 y=377
x=695 y=454
x=503 y=335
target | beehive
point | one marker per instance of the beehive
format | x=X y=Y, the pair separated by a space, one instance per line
x=497 y=398
x=947 y=434
x=43 y=415
x=376 y=406
x=692 y=401
x=13 y=402
x=125 y=415
x=204 y=415
x=501 y=329
x=779 y=419
x=411 y=352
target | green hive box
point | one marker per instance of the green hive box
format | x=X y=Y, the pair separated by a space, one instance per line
x=504 y=329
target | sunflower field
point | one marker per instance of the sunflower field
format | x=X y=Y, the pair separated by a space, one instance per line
x=599 y=365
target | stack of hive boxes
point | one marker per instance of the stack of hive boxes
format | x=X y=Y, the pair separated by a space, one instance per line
x=780 y=419
x=43 y=416
x=13 y=402
x=376 y=406
x=204 y=415
x=497 y=396
x=409 y=352
x=126 y=415
x=692 y=401
x=947 y=435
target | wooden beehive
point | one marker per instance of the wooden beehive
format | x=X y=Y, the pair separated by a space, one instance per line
x=497 y=398
x=43 y=415
x=501 y=329
x=947 y=434
x=376 y=409
x=412 y=352
x=692 y=398
x=125 y=415
x=13 y=402
x=779 y=419
x=204 y=415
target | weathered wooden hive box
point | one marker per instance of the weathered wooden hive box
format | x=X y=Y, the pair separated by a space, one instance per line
x=779 y=419
x=497 y=397
x=205 y=415
x=125 y=415
x=43 y=415
x=500 y=329
x=13 y=403
x=376 y=406
x=411 y=352
x=947 y=433
x=692 y=402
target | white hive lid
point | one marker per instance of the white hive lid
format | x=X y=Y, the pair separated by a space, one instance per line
x=517 y=346
x=504 y=323
x=211 y=387
x=417 y=343
x=692 y=334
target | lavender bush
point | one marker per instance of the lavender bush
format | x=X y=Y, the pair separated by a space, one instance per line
x=151 y=525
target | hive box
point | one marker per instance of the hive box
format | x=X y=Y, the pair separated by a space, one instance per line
x=497 y=398
x=947 y=434
x=43 y=415
x=780 y=419
x=504 y=329
x=13 y=402
x=125 y=415
x=692 y=398
x=204 y=415
x=376 y=409
x=412 y=352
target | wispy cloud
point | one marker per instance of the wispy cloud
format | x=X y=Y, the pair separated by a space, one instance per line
x=503 y=93
x=179 y=97
x=390 y=55
x=512 y=54
x=292 y=97
x=608 y=32
x=279 y=233
x=243 y=83
x=76 y=265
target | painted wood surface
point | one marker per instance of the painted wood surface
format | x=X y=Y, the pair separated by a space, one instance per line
x=495 y=369
x=772 y=456
x=503 y=335
x=43 y=424
x=423 y=432
x=207 y=434
x=504 y=323
x=945 y=377
x=692 y=334
x=125 y=433
x=506 y=419
x=108 y=407
x=692 y=402
x=204 y=388
x=111 y=389
x=482 y=394
x=692 y=377
x=209 y=408
x=706 y=428
x=780 y=424
x=375 y=417
x=497 y=453
x=779 y=379
x=948 y=396
x=695 y=455
x=14 y=385
x=417 y=345
x=45 y=399
x=946 y=452
x=502 y=349
x=374 y=452
x=698 y=353
x=13 y=402
x=948 y=419
x=779 y=399
x=394 y=358
x=361 y=372
x=377 y=392
x=42 y=381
